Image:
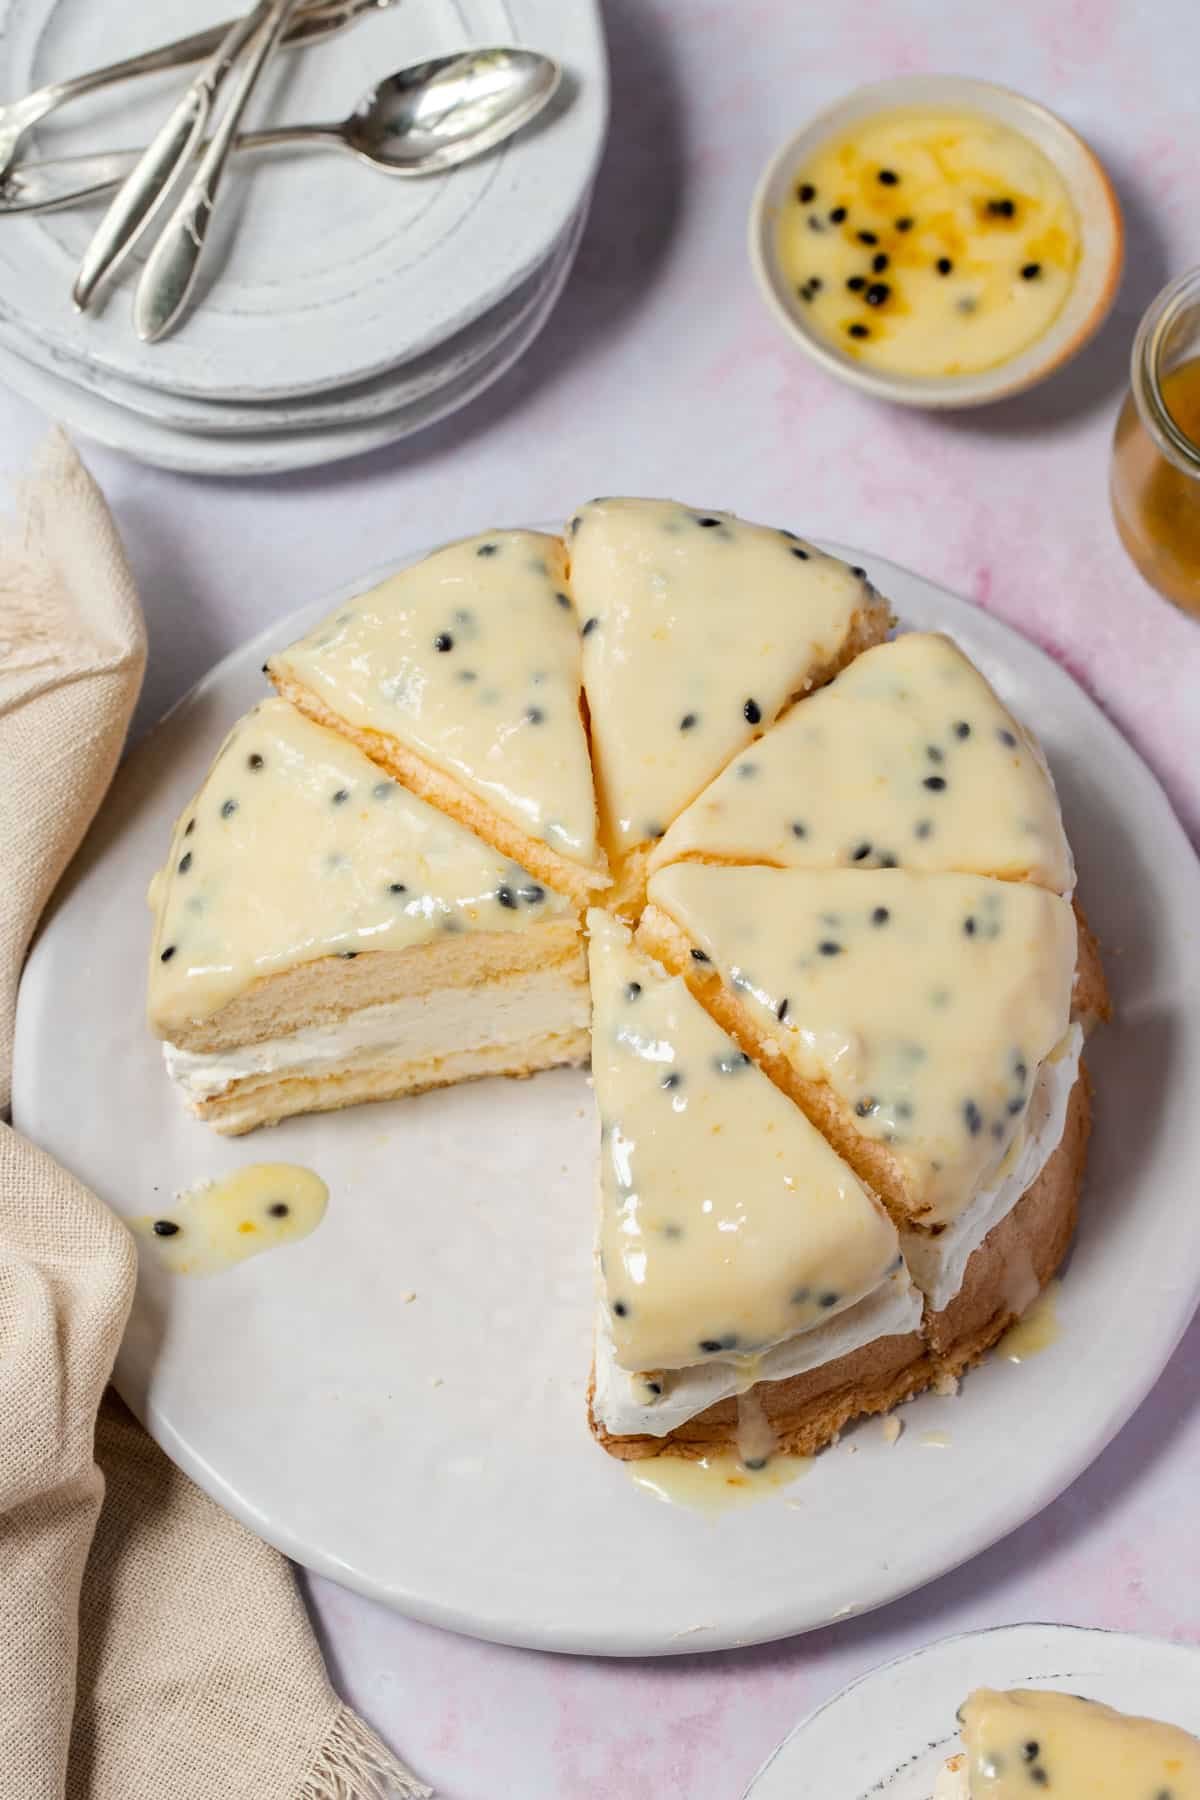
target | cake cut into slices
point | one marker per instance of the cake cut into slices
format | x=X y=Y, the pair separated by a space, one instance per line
x=322 y=937
x=1029 y=1741
x=698 y=629
x=908 y=759
x=461 y=676
x=735 y=1246
x=908 y=1015
x=840 y=989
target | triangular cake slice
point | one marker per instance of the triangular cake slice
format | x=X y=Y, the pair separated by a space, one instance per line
x=698 y=629
x=908 y=759
x=729 y=1227
x=1029 y=1740
x=461 y=676
x=322 y=937
x=909 y=1015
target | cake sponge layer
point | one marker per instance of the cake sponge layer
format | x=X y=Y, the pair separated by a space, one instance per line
x=426 y=1036
x=265 y=1099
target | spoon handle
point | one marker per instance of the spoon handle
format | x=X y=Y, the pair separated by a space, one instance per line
x=143 y=192
x=170 y=272
x=68 y=180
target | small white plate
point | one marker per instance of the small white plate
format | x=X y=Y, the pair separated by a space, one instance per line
x=322 y=273
x=275 y=449
x=435 y=1454
x=385 y=395
x=886 y=1736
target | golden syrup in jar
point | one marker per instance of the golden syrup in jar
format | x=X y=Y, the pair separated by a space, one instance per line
x=1155 y=495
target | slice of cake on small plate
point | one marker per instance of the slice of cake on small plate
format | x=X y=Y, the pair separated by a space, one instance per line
x=322 y=937
x=698 y=629
x=461 y=676
x=751 y=1287
x=907 y=760
x=1032 y=1741
x=930 y=1026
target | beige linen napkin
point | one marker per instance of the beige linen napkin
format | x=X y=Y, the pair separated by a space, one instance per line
x=152 y=1649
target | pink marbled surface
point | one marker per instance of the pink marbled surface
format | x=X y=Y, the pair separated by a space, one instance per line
x=661 y=373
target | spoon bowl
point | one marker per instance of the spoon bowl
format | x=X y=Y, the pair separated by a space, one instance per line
x=437 y=114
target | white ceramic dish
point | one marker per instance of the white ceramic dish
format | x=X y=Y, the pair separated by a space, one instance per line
x=272 y=450
x=386 y=394
x=326 y=273
x=887 y=1734
x=435 y=1454
x=1101 y=238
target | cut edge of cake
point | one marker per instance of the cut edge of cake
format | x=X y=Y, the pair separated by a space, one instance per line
x=631 y=869
x=662 y=936
x=331 y=1033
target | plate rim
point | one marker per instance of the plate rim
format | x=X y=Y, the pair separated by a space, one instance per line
x=774 y=1623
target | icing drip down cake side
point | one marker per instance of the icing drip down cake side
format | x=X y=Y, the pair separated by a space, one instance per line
x=662 y=792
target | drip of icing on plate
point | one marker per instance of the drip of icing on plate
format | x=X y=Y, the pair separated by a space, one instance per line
x=715 y=1484
x=219 y=1223
x=1036 y=1330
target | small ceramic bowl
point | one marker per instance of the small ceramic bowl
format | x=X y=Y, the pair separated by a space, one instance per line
x=1102 y=238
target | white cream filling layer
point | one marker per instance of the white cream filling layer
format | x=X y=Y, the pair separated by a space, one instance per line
x=938 y=1264
x=422 y=1028
x=622 y=1407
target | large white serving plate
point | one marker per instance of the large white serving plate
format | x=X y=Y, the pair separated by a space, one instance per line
x=323 y=273
x=887 y=1734
x=434 y=1452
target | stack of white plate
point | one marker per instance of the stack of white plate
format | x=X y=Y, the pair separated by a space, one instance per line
x=340 y=308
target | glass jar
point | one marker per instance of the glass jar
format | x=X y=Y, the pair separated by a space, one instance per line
x=1155 y=480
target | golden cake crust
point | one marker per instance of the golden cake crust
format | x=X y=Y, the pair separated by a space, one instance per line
x=434 y=785
x=661 y=937
x=868 y=627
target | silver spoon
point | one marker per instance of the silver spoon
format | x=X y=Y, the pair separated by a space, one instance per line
x=420 y=121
